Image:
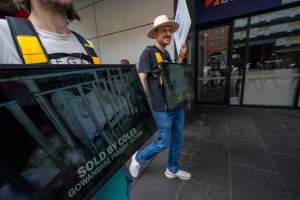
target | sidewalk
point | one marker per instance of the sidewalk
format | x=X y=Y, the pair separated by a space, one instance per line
x=233 y=154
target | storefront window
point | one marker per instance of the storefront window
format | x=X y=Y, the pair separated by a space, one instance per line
x=212 y=69
x=264 y=60
x=241 y=23
x=272 y=70
x=238 y=60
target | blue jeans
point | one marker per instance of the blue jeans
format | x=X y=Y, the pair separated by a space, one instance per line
x=170 y=135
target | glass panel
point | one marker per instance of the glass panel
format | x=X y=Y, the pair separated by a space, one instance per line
x=275 y=31
x=239 y=35
x=274 y=50
x=241 y=23
x=64 y=131
x=281 y=15
x=238 y=60
x=213 y=64
x=236 y=74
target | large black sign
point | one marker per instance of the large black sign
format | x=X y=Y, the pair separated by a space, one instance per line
x=178 y=84
x=65 y=130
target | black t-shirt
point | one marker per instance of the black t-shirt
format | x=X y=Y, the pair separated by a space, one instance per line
x=148 y=64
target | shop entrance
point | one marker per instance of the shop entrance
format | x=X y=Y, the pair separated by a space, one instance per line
x=213 y=65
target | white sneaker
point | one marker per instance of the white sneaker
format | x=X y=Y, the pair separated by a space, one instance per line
x=134 y=167
x=182 y=175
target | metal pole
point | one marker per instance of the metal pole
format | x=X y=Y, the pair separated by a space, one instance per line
x=51 y=114
x=34 y=132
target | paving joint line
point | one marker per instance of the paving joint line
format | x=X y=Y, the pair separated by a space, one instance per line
x=255 y=168
x=285 y=127
x=229 y=156
x=210 y=185
x=285 y=154
x=272 y=161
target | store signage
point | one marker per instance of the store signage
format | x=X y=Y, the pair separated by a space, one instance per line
x=213 y=10
x=66 y=130
x=216 y=2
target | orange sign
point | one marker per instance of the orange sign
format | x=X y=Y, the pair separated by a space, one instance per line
x=210 y=2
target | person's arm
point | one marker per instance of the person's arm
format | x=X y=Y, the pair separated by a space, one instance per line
x=144 y=68
x=143 y=77
x=182 y=53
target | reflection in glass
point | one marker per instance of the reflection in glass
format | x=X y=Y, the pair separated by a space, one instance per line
x=239 y=35
x=238 y=63
x=236 y=74
x=213 y=64
x=55 y=122
x=240 y=23
x=272 y=74
x=275 y=30
x=285 y=14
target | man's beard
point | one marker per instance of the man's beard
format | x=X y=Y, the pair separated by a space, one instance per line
x=58 y=5
x=164 y=40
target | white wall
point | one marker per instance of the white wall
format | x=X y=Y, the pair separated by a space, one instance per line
x=118 y=28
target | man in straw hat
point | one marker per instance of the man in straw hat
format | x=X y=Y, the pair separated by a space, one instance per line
x=169 y=124
x=48 y=27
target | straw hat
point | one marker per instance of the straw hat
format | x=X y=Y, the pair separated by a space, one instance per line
x=160 y=21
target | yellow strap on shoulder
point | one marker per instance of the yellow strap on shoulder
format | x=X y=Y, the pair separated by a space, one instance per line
x=96 y=60
x=88 y=45
x=159 y=60
x=158 y=57
x=31 y=49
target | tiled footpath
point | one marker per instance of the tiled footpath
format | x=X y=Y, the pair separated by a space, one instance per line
x=233 y=154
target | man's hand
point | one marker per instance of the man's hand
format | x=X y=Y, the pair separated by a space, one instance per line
x=182 y=53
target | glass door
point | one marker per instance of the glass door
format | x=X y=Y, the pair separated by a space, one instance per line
x=212 y=65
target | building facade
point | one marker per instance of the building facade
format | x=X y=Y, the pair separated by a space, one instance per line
x=247 y=52
x=243 y=52
x=118 y=29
